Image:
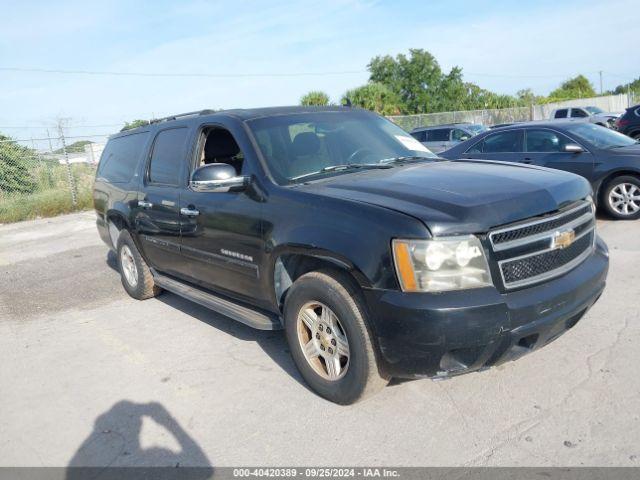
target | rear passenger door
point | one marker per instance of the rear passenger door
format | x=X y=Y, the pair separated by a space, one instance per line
x=158 y=214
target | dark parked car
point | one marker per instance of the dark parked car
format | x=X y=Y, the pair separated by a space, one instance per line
x=609 y=160
x=629 y=122
x=442 y=137
x=376 y=258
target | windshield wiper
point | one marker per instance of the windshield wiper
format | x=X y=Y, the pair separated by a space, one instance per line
x=409 y=158
x=339 y=168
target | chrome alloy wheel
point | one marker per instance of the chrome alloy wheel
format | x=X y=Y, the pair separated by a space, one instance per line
x=625 y=198
x=323 y=340
x=128 y=266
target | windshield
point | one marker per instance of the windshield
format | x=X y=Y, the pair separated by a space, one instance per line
x=306 y=145
x=594 y=110
x=476 y=129
x=600 y=137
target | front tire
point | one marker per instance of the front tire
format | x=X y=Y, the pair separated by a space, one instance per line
x=621 y=198
x=135 y=274
x=325 y=325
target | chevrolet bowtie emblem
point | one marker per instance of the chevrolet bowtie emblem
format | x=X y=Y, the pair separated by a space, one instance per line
x=563 y=238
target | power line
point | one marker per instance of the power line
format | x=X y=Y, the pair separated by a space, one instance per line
x=32 y=127
x=195 y=74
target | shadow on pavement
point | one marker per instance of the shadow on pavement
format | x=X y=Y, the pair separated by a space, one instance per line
x=115 y=442
x=273 y=343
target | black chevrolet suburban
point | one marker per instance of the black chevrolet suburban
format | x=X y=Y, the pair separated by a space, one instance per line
x=377 y=258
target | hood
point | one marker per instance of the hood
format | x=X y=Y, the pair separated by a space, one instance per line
x=631 y=150
x=465 y=196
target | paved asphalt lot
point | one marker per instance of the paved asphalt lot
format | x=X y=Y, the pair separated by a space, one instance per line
x=89 y=376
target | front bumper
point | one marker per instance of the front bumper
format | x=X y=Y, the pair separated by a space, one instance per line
x=450 y=333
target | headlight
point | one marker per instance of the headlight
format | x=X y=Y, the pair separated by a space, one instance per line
x=454 y=263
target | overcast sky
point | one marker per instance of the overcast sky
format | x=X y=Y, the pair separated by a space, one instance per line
x=500 y=45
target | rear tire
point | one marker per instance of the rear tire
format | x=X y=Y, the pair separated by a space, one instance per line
x=621 y=197
x=135 y=274
x=325 y=325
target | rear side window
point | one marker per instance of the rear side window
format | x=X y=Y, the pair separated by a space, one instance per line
x=578 y=113
x=562 y=113
x=438 y=135
x=420 y=136
x=120 y=157
x=168 y=155
x=503 y=142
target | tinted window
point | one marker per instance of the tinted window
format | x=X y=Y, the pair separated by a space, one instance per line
x=459 y=135
x=420 y=136
x=545 y=141
x=561 y=113
x=120 y=157
x=510 y=141
x=578 y=113
x=438 y=135
x=168 y=156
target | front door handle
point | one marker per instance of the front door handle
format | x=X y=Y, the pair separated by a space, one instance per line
x=527 y=160
x=189 y=212
x=144 y=204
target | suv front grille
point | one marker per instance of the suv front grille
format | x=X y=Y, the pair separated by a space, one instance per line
x=544 y=248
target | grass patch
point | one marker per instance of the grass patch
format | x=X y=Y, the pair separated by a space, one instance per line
x=53 y=196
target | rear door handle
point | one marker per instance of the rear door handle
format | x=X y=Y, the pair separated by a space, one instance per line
x=189 y=212
x=527 y=160
x=144 y=204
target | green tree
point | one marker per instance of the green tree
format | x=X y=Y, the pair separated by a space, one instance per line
x=374 y=96
x=14 y=167
x=576 y=87
x=315 y=98
x=134 y=124
x=634 y=86
x=422 y=87
x=415 y=79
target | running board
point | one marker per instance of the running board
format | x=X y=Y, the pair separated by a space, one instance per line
x=246 y=315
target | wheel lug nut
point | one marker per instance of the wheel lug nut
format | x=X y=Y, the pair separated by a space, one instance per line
x=330 y=350
x=322 y=347
x=318 y=336
x=333 y=342
x=328 y=331
x=320 y=328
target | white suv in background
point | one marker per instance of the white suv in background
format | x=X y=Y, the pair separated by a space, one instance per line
x=585 y=114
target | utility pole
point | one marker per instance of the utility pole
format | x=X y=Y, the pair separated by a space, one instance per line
x=72 y=182
x=600 y=72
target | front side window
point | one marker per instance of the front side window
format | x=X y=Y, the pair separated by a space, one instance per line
x=545 y=141
x=562 y=113
x=503 y=142
x=305 y=145
x=458 y=135
x=578 y=113
x=167 y=156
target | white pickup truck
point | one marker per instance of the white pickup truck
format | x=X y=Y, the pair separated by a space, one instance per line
x=585 y=114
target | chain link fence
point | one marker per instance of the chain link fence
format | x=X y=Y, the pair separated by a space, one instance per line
x=609 y=103
x=42 y=182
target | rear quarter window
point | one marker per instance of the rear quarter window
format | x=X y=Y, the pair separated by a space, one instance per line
x=119 y=160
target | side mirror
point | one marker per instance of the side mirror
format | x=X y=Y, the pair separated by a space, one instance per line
x=217 y=177
x=573 y=148
x=464 y=138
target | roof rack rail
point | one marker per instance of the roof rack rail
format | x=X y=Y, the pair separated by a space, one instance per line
x=180 y=115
